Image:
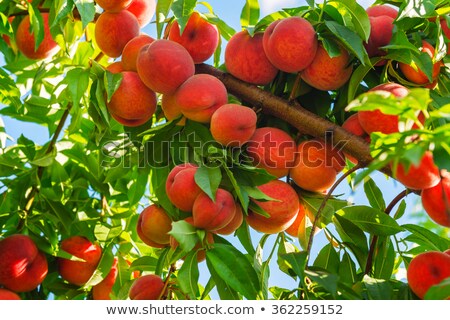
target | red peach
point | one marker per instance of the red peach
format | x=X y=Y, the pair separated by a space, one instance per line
x=171 y=109
x=422 y=176
x=382 y=10
x=131 y=51
x=282 y=211
x=143 y=10
x=213 y=215
x=290 y=44
x=8 y=295
x=113 y=30
x=113 y=5
x=103 y=290
x=199 y=37
x=233 y=125
x=381 y=28
x=353 y=126
x=155 y=224
x=115 y=67
x=234 y=224
x=181 y=187
x=200 y=96
x=164 y=65
x=272 y=149
x=246 y=60
x=149 y=287
x=436 y=202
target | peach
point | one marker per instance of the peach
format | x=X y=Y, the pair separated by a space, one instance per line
x=436 y=201
x=376 y=121
x=422 y=176
x=427 y=269
x=103 y=290
x=234 y=224
x=143 y=10
x=328 y=73
x=155 y=224
x=132 y=104
x=353 y=126
x=164 y=65
x=79 y=272
x=446 y=31
x=113 y=30
x=273 y=150
x=131 y=51
x=4 y=36
x=418 y=76
x=199 y=37
x=381 y=28
x=200 y=96
x=22 y=266
x=246 y=60
x=8 y=295
x=382 y=10
x=233 y=125
x=115 y=67
x=293 y=229
x=290 y=44
x=113 y=5
x=171 y=109
x=316 y=165
x=282 y=211
x=26 y=42
x=213 y=215
x=148 y=287
x=181 y=188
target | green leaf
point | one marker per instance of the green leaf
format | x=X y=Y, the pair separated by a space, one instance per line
x=250 y=13
x=328 y=259
x=384 y=259
x=226 y=292
x=357 y=14
x=103 y=268
x=374 y=195
x=327 y=281
x=182 y=9
x=350 y=39
x=225 y=30
x=37 y=26
x=86 y=8
x=296 y=261
x=371 y=220
x=77 y=81
x=400 y=210
x=188 y=275
x=145 y=263
x=347 y=269
x=111 y=82
x=234 y=268
x=439 y=291
x=377 y=289
x=162 y=13
x=185 y=234
x=427 y=238
x=208 y=178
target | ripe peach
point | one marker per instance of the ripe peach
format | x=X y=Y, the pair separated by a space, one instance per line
x=327 y=73
x=282 y=211
x=155 y=224
x=147 y=287
x=382 y=10
x=427 y=269
x=79 y=272
x=290 y=44
x=181 y=187
x=246 y=60
x=213 y=215
x=26 y=41
x=436 y=201
x=103 y=290
x=422 y=176
x=115 y=67
x=22 y=266
x=164 y=65
x=132 y=104
x=418 y=76
x=143 y=10
x=272 y=149
x=5 y=37
x=199 y=37
x=131 y=51
x=113 y=5
x=113 y=30
x=171 y=109
x=293 y=229
x=200 y=96
x=316 y=165
x=234 y=224
x=233 y=125
x=381 y=28
x=8 y=295
x=446 y=31
x=376 y=121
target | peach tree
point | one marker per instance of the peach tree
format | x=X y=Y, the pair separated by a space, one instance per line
x=207 y=153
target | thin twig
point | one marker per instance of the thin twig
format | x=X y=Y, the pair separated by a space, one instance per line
x=162 y=295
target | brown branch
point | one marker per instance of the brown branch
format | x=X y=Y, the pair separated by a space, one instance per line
x=293 y=113
x=323 y=204
x=40 y=170
x=373 y=243
x=163 y=295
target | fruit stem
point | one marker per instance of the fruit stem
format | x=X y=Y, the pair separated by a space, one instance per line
x=373 y=243
x=295 y=87
x=162 y=295
x=323 y=204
